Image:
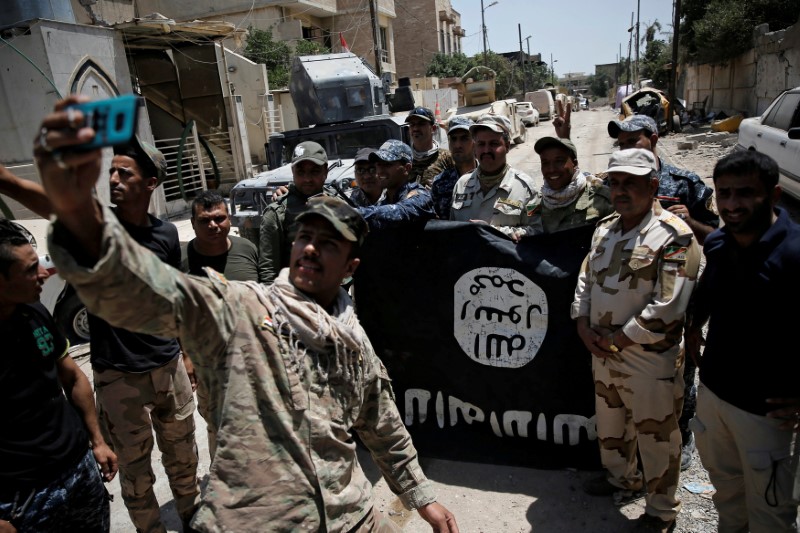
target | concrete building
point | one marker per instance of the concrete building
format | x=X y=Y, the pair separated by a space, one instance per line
x=575 y=82
x=331 y=23
x=424 y=28
x=100 y=49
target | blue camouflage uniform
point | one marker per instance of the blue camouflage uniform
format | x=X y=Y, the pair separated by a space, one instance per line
x=410 y=203
x=413 y=204
x=442 y=192
x=693 y=193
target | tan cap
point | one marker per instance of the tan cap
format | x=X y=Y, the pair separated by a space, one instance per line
x=636 y=161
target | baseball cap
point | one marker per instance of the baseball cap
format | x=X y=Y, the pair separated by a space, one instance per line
x=632 y=123
x=393 y=150
x=459 y=123
x=496 y=123
x=422 y=112
x=144 y=152
x=346 y=220
x=636 y=161
x=309 y=151
x=549 y=142
x=363 y=155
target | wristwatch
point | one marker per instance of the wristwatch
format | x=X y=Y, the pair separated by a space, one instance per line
x=611 y=345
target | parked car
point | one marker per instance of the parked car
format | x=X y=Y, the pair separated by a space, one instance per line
x=770 y=135
x=528 y=113
x=584 y=103
x=543 y=101
x=57 y=295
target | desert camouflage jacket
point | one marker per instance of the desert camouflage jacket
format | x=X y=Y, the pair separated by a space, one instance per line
x=286 y=458
x=641 y=281
x=508 y=206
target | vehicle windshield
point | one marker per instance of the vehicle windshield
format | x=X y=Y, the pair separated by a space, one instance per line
x=343 y=145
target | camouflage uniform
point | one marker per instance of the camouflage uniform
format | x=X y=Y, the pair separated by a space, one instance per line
x=75 y=501
x=413 y=204
x=276 y=232
x=442 y=192
x=162 y=399
x=592 y=205
x=507 y=207
x=424 y=170
x=286 y=458
x=693 y=193
x=640 y=281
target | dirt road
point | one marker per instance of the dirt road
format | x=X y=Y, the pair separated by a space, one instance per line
x=500 y=499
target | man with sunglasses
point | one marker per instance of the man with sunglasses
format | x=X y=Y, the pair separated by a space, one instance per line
x=404 y=201
x=369 y=188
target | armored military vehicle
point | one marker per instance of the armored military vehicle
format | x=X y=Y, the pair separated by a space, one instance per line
x=342 y=105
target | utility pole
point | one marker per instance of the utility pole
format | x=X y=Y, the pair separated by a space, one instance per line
x=630 y=41
x=673 y=78
x=375 y=37
x=636 y=74
x=483 y=29
x=522 y=60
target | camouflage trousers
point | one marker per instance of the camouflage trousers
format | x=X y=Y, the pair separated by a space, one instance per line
x=640 y=412
x=133 y=406
x=749 y=462
x=375 y=522
x=77 y=501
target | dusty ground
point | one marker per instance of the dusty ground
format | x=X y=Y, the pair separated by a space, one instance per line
x=498 y=499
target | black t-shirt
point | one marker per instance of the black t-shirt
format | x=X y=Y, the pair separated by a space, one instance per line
x=42 y=434
x=239 y=263
x=119 y=349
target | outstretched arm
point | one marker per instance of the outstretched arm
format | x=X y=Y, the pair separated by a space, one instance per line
x=27 y=192
x=79 y=392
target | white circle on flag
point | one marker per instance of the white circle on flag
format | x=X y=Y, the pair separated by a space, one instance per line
x=500 y=317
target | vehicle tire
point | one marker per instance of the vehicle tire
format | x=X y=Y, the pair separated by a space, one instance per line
x=677 y=127
x=72 y=318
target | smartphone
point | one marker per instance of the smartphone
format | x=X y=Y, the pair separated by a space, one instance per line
x=113 y=120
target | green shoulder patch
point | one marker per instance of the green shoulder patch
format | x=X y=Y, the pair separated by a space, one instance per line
x=675 y=253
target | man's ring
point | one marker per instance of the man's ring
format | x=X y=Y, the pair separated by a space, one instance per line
x=682 y=215
x=60 y=162
x=43 y=141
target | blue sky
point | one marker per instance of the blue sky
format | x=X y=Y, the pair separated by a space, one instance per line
x=579 y=33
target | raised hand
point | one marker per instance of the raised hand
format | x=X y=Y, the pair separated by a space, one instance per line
x=561 y=122
x=68 y=176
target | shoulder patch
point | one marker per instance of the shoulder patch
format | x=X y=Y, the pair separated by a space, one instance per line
x=675 y=253
x=533 y=207
x=215 y=276
x=517 y=204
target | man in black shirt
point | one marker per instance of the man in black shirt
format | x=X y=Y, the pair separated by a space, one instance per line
x=141 y=382
x=49 y=478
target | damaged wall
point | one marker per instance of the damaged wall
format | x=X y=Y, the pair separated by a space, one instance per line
x=748 y=83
